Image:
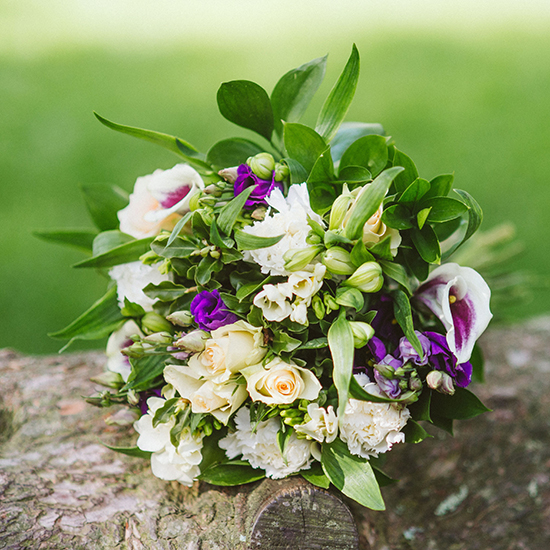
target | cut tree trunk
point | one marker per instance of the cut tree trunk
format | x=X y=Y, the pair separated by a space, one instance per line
x=486 y=488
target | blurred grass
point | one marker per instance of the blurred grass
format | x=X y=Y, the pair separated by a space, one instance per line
x=475 y=105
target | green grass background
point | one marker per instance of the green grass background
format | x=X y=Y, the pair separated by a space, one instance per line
x=474 y=103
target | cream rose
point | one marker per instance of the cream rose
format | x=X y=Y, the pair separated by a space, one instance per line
x=279 y=382
x=159 y=200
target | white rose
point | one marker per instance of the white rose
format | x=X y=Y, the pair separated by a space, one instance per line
x=258 y=445
x=322 y=426
x=371 y=428
x=179 y=463
x=120 y=339
x=272 y=300
x=132 y=278
x=279 y=382
x=159 y=200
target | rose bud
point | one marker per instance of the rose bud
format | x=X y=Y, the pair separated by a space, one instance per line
x=194 y=341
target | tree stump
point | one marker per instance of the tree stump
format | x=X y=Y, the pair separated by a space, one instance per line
x=486 y=488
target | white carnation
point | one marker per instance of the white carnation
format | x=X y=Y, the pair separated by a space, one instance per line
x=260 y=447
x=120 y=339
x=370 y=428
x=170 y=463
x=290 y=220
x=132 y=278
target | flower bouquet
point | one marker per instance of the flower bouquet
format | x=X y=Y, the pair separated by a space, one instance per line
x=286 y=306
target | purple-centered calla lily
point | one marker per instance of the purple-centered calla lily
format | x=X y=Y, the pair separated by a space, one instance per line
x=460 y=298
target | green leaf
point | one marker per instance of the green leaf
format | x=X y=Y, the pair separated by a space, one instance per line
x=410 y=173
x=283 y=436
x=357 y=392
x=354 y=174
x=339 y=99
x=382 y=249
x=397 y=216
x=283 y=342
x=403 y=315
x=145 y=371
x=107 y=240
x=360 y=254
x=398 y=273
x=230 y=212
x=443 y=423
x=211 y=451
x=122 y=254
x=181 y=247
x=340 y=342
x=303 y=144
x=422 y=216
x=178 y=146
x=316 y=476
x=475 y=214
x=298 y=174
x=97 y=322
x=420 y=409
x=418 y=267
x=350 y=297
x=232 y=152
x=245 y=241
x=444 y=209
x=248 y=288
x=316 y=343
x=350 y=132
x=440 y=186
x=166 y=291
x=477 y=361
x=414 y=432
x=415 y=191
x=370 y=198
x=321 y=193
x=371 y=152
x=351 y=474
x=178 y=227
x=246 y=104
x=229 y=475
x=204 y=270
x=425 y=241
x=218 y=240
x=164 y=413
x=77 y=238
x=294 y=91
x=103 y=202
x=460 y=406
x=130 y=451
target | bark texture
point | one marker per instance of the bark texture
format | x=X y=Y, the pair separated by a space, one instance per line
x=486 y=488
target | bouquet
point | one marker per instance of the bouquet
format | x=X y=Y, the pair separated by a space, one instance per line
x=284 y=306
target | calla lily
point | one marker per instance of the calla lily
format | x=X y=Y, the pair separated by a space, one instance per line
x=460 y=298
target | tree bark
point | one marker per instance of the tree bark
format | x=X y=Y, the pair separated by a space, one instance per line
x=488 y=487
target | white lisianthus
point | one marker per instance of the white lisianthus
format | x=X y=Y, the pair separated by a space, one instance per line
x=130 y=280
x=273 y=301
x=371 y=428
x=159 y=200
x=290 y=221
x=258 y=445
x=279 y=382
x=120 y=339
x=322 y=424
x=179 y=463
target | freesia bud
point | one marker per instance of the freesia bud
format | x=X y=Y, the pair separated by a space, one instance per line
x=159 y=338
x=367 y=278
x=440 y=381
x=109 y=379
x=362 y=333
x=180 y=318
x=297 y=259
x=194 y=341
x=153 y=322
x=229 y=174
x=262 y=165
x=281 y=171
x=338 y=261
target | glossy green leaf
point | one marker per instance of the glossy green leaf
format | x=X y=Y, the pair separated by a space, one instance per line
x=360 y=254
x=368 y=202
x=340 y=342
x=460 y=406
x=178 y=227
x=414 y=432
x=179 y=248
x=316 y=476
x=398 y=273
x=440 y=186
x=382 y=249
x=294 y=91
x=351 y=474
x=230 y=212
x=316 y=343
x=339 y=99
x=231 y=474
x=403 y=315
x=165 y=413
x=204 y=270
x=232 y=152
x=420 y=409
x=107 y=240
x=182 y=149
x=415 y=191
x=443 y=423
x=350 y=297
x=354 y=174
x=103 y=202
x=130 y=451
x=426 y=243
x=166 y=291
x=102 y=318
x=321 y=193
x=145 y=371
x=475 y=214
x=408 y=175
x=122 y=254
x=477 y=362
x=422 y=216
x=298 y=174
x=397 y=216
x=350 y=132
x=357 y=392
x=82 y=239
x=444 y=209
x=371 y=152
x=245 y=241
x=418 y=267
x=283 y=342
x=303 y=144
x=246 y=104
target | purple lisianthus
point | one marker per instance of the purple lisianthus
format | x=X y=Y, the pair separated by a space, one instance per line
x=210 y=311
x=443 y=359
x=262 y=188
x=388 y=385
x=408 y=353
x=384 y=323
x=144 y=395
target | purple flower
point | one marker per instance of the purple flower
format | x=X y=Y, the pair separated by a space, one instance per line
x=210 y=311
x=262 y=188
x=384 y=324
x=389 y=386
x=377 y=348
x=408 y=353
x=441 y=358
x=144 y=395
